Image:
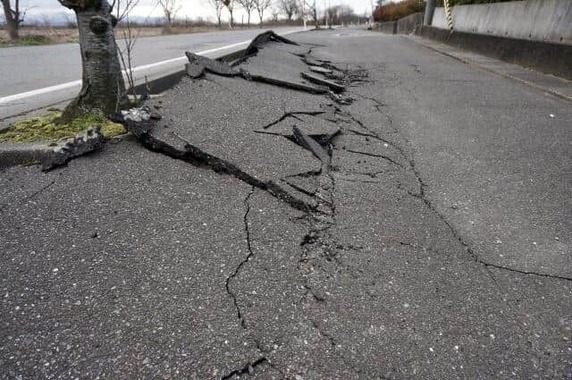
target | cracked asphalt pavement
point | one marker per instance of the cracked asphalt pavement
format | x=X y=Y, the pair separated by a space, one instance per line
x=415 y=225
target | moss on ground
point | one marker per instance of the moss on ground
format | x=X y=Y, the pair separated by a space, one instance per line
x=45 y=128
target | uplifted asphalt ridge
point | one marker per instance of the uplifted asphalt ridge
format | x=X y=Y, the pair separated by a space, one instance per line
x=290 y=142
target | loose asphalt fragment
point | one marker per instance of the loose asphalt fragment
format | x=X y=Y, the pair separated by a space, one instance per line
x=214 y=66
x=323 y=82
x=314 y=126
x=262 y=39
x=319 y=69
x=312 y=145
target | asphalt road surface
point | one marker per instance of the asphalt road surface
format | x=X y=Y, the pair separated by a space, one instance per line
x=428 y=236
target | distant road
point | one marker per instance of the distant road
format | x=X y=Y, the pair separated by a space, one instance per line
x=35 y=68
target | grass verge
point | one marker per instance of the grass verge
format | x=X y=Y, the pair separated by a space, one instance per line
x=31 y=40
x=45 y=129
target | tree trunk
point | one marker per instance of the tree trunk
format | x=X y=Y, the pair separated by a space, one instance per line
x=103 y=88
x=12 y=17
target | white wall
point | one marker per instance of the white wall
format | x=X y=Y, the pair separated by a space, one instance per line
x=540 y=20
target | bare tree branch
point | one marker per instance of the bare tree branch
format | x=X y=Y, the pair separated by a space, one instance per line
x=248 y=6
x=218 y=5
x=170 y=9
x=261 y=6
x=288 y=7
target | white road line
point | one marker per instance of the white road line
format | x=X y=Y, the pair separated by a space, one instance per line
x=64 y=86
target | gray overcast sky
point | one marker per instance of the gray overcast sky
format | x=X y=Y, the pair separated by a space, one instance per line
x=192 y=9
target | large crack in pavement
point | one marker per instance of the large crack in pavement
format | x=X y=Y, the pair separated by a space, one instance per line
x=315 y=137
x=421 y=194
x=28 y=197
x=247 y=258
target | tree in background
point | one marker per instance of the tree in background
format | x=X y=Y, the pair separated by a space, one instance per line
x=310 y=10
x=229 y=4
x=13 y=16
x=218 y=5
x=103 y=88
x=288 y=7
x=275 y=13
x=395 y=11
x=248 y=6
x=170 y=9
x=342 y=14
x=261 y=6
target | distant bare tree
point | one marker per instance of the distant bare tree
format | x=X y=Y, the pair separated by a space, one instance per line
x=261 y=6
x=288 y=7
x=309 y=10
x=275 y=14
x=218 y=5
x=248 y=6
x=13 y=16
x=170 y=9
x=341 y=14
x=122 y=8
x=229 y=4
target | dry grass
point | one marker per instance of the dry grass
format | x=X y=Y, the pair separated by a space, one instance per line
x=45 y=35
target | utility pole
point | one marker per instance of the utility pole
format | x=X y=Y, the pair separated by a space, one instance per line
x=429 y=10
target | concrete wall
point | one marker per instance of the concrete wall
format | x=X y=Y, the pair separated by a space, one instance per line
x=536 y=20
x=389 y=27
x=405 y=25
x=410 y=24
x=550 y=58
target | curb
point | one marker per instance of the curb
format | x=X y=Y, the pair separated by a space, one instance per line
x=543 y=56
x=22 y=153
x=504 y=75
x=12 y=154
x=536 y=79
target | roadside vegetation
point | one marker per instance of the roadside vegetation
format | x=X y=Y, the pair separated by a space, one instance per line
x=395 y=11
x=466 y=2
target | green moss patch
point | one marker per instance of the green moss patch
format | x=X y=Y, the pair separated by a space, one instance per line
x=45 y=128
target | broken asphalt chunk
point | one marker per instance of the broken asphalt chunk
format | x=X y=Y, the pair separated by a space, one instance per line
x=288 y=84
x=323 y=82
x=264 y=38
x=321 y=70
x=211 y=65
x=195 y=70
x=320 y=129
x=312 y=145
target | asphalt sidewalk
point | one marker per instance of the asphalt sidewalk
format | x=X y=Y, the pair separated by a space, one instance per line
x=414 y=225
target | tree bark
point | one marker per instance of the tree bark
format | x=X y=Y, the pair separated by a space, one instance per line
x=103 y=88
x=12 y=17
